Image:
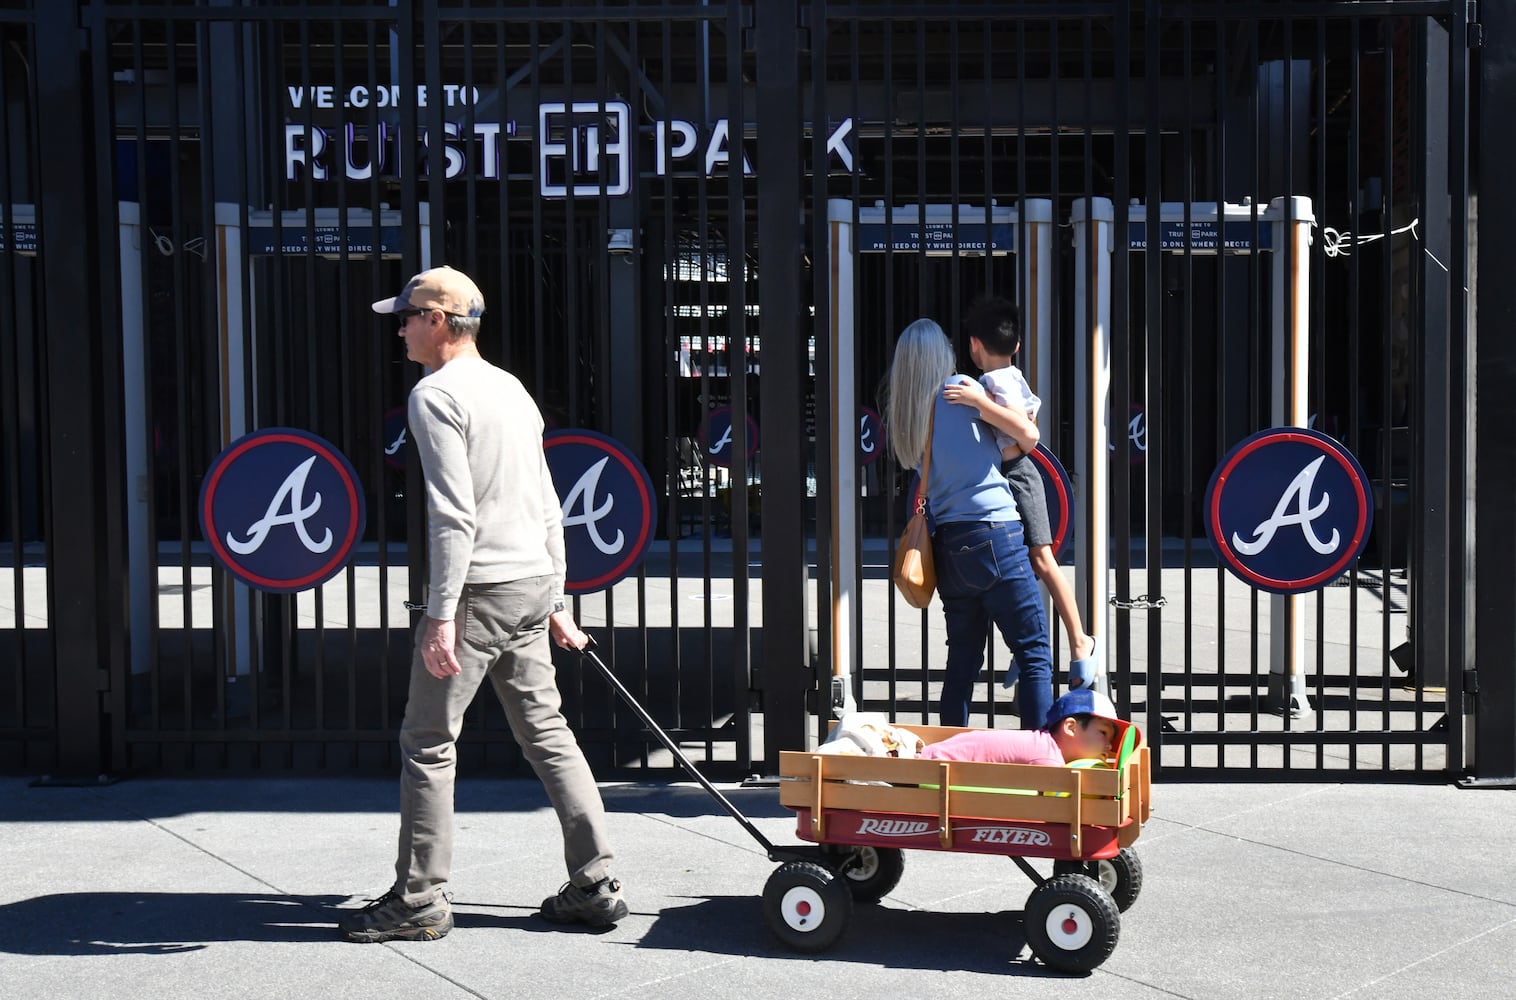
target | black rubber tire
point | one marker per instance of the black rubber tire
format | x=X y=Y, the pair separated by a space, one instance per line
x=872 y=872
x=1071 y=923
x=806 y=906
x=1120 y=876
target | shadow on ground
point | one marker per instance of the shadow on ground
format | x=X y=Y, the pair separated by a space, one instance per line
x=878 y=936
x=160 y=923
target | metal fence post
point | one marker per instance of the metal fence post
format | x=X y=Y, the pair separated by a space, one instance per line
x=82 y=559
x=786 y=673
x=1494 y=742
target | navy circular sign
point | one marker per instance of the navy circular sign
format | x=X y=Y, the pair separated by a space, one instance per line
x=870 y=435
x=1288 y=510
x=716 y=436
x=1058 y=489
x=608 y=507
x=282 y=510
x=395 y=438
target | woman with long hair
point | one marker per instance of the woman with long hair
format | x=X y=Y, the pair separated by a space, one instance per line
x=983 y=574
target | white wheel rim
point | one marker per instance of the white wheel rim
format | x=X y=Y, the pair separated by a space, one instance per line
x=1069 y=927
x=867 y=866
x=802 y=909
x=1107 y=877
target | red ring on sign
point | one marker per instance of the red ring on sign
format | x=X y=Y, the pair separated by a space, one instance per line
x=1045 y=460
x=598 y=442
x=224 y=462
x=1327 y=447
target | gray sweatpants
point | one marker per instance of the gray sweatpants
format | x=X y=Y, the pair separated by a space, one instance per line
x=502 y=634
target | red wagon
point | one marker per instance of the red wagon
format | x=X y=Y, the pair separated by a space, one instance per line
x=858 y=814
x=865 y=811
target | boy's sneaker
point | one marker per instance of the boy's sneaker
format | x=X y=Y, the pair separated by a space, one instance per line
x=389 y=918
x=599 y=905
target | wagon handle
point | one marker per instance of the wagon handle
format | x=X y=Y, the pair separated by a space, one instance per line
x=588 y=653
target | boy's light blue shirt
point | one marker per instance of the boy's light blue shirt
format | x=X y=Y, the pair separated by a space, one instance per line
x=964 y=482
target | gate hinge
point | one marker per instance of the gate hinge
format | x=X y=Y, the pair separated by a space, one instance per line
x=1471 y=682
x=1475 y=29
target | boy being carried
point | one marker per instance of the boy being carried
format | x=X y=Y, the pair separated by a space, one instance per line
x=1006 y=402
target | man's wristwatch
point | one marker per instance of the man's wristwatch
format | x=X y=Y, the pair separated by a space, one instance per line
x=558 y=605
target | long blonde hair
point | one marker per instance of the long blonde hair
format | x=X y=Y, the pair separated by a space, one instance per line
x=923 y=361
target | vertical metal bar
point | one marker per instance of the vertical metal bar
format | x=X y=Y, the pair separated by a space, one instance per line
x=1121 y=336
x=1355 y=374
x=14 y=413
x=1318 y=360
x=1461 y=594
x=209 y=290
x=188 y=380
x=150 y=417
x=1154 y=410
x=1387 y=346
x=1436 y=414
x=1494 y=703
x=67 y=249
x=823 y=254
x=674 y=385
x=777 y=43
x=1255 y=351
x=1224 y=352
x=112 y=558
x=1187 y=421
x=1286 y=618
x=786 y=660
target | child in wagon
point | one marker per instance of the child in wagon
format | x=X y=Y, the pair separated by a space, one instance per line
x=1082 y=725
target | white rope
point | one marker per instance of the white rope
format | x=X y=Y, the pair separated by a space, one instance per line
x=1339 y=244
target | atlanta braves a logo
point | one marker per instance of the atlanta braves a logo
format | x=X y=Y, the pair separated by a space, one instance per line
x=282 y=510
x=1288 y=510
x=582 y=499
x=608 y=507
x=290 y=494
x=717 y=436
x=1304 y=517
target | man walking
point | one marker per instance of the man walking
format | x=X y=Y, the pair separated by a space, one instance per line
x=495 y=601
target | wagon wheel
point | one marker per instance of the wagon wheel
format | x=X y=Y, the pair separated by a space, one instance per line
x=807 y=907
x=1071 y=923
x=1120 y=876
x=870 y=872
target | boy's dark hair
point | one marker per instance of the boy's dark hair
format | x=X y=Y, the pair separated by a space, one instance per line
x=1083 y=718
x=997 y=324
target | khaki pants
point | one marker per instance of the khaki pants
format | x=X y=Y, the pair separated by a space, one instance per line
x=501 y=634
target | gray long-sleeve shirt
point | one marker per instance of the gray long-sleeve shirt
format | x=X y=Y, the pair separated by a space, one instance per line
x=493 y=515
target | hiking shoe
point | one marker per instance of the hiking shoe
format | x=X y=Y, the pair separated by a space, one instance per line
x=390 y=918
x=599 y=905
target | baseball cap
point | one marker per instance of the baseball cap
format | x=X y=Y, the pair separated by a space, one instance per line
x=1086 y=701
x=437 y=288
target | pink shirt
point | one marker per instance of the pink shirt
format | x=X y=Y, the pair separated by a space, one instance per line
x=997 y=746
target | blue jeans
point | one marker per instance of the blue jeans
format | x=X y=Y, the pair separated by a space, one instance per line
x=984 y=576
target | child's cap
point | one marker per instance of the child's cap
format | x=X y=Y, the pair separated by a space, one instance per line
x=1087 y=701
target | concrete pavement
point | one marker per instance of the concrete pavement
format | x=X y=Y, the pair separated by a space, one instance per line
x=226 y=888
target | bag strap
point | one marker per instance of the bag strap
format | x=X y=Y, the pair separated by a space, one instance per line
x=926 y=459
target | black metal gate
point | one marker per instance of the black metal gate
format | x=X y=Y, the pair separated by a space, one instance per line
x=247 y=177
x=1191 y=114
x=284 y=168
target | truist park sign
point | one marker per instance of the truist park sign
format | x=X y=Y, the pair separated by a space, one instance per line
x=575 y=145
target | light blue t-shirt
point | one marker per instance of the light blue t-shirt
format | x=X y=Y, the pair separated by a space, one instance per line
x=964 y=482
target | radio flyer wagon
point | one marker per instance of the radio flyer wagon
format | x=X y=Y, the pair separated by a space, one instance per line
x=858 y=814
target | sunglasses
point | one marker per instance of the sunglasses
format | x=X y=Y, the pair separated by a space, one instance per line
x=405 y=315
